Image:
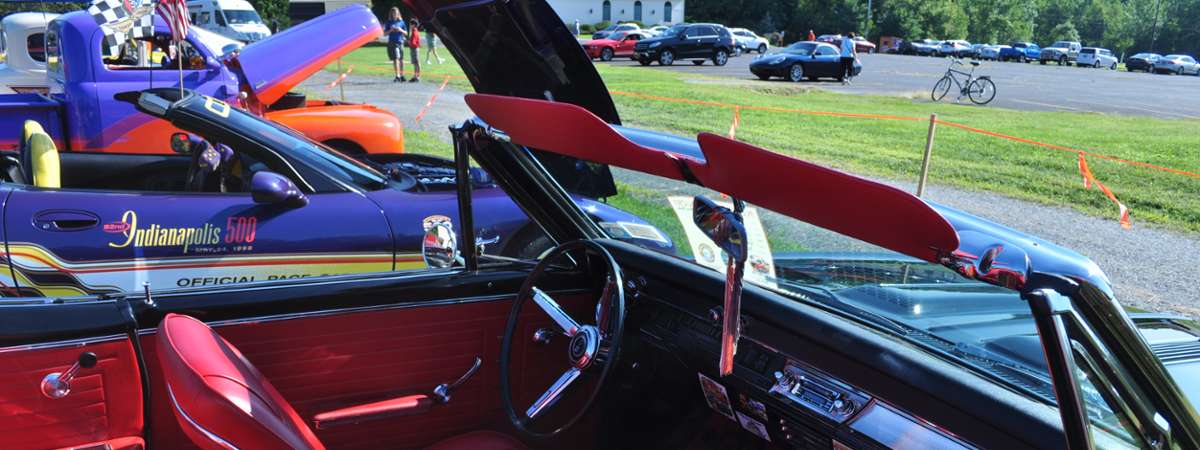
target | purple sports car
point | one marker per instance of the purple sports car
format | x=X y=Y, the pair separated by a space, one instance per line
x=243 y=199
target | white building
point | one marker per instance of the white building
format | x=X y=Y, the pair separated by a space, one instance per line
x=649 y=12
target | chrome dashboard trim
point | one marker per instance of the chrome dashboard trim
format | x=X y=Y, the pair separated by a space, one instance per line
x=81 y=342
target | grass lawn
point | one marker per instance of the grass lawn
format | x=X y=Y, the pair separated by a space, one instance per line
x=892 y=148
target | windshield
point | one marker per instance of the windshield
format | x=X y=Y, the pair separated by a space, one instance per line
x=242 y=16
x=980 y=327
x=283 y=140
x=801 y=48
x=1061 y=44
x=218 y=45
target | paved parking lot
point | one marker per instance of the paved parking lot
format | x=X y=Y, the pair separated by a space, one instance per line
x=1019 y=86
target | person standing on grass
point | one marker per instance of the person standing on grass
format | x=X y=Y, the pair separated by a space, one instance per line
x=848 y=55
x=431 y=47
x=397 y=33
x=577 y=27
x=414 y=49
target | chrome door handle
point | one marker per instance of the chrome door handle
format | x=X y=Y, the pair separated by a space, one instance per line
x=57 y=385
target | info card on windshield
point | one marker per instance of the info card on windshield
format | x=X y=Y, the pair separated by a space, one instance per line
x=760 y=266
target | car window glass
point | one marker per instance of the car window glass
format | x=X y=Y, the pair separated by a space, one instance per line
x=155 y=54
x=707 y=31
x=205 y=17
x=692 y=32
x=1110 y=428
x=36 y=43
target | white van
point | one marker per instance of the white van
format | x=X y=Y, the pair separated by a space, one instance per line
x=235 y=19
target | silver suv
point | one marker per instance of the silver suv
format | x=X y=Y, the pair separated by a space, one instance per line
x=1096 y=57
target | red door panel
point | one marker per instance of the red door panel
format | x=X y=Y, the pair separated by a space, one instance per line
x=105 y=403
x=325 y=362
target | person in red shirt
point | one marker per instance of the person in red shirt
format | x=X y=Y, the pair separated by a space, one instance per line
x=414 y=49
x=811 y=36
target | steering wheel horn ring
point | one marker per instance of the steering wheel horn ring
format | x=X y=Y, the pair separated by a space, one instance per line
x=592 y=349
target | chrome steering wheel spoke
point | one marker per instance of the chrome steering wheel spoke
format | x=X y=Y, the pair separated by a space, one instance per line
x=568 y=325
x=553 y=393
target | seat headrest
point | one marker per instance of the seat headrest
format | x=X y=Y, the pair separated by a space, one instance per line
x=43 y=157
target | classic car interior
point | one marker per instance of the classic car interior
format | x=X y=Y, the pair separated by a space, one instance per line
x=602 y=344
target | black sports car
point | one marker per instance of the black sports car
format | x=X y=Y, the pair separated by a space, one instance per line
x=802 y=60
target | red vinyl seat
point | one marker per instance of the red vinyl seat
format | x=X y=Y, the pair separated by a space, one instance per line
x=222 y=402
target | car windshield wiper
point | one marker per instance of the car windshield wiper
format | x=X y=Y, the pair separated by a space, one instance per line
x=829 y=298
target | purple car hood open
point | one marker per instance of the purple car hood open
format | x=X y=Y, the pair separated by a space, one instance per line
x=275 y=65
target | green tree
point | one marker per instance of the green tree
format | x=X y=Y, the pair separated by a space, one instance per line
x=273 y=12
x=1063 y=32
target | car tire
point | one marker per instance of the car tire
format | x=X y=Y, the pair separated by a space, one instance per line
x=1096 y=65
x=1113 y=66
x=606 y=54
x=1179 y=71
x=1062 y=60
x=666 y=58
x=795 y=73
x=1021 y=59
x=1042 y=62
x=762 y=48
x=720 y=58
x=644 y=62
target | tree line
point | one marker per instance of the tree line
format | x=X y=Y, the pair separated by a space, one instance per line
x=1123 y=26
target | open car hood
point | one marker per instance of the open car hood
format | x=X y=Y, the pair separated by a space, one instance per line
x=275 y=65
x=517 y=48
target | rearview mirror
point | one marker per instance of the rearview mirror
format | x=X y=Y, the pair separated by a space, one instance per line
x=727 y=231
x=272 y=188
x=439 y=248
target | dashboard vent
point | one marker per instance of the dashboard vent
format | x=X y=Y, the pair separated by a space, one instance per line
x=1177 y=352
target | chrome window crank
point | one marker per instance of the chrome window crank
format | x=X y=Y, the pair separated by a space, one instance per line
x=442 y=391
x=58 y=385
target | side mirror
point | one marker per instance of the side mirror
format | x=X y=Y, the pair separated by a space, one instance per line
x=272 y=188
x=439 y=248
x=726 y=229
x=212 y=64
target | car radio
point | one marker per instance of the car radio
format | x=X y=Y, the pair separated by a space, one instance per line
x=800 y=385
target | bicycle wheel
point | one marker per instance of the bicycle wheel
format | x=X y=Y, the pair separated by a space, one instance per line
x=941 y=88
x=981 y=91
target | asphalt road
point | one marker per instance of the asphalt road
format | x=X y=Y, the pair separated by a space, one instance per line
x=1019 y=86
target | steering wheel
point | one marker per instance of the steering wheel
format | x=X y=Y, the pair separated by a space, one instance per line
x=592 y=349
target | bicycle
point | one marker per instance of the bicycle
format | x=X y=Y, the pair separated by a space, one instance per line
x=980 y=90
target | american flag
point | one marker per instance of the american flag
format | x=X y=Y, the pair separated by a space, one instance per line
x=175 y=12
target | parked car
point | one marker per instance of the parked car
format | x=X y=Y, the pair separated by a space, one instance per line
x=619 y=44
x=992 y=52
x=1177 y=64
x=1061 y=52
x=234 y=19
x=24 y=45
x=747 y=40
x=1142 y=61
x=834 y=39
x=973 y=52
x=895 y=323
x=614 y=28
x=862 y=45
x=924 y=47
x=1096 y=57
x=238 y=197
x=952 y=48
x=656 y=31
x=698 y=42
x=805 y=60
x=1021 y=52
x=81 y=115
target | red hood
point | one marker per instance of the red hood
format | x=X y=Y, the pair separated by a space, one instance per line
x=601 y=42
x=275 y=65
x=853 y=206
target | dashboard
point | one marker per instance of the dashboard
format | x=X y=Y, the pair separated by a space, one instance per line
x=780 y=397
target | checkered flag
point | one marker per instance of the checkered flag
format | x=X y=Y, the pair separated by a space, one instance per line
x=121 y=20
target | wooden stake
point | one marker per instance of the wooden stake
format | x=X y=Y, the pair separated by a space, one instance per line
x=928 y=155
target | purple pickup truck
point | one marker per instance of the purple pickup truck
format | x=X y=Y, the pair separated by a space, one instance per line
x=81 y=114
